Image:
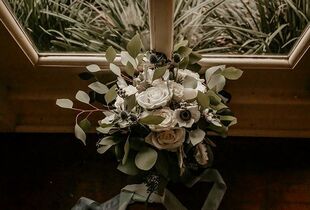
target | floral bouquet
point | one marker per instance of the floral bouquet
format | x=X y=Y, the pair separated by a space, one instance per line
x=157 y=115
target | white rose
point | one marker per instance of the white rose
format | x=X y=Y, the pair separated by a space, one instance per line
x=182 y=73
x=169 y=140
x=177 y=90
x=154 y=97
x=169 y=121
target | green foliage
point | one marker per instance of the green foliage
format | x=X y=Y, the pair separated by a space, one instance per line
x=151 y=120
x=111 y=95
x=159 y=72
x=134 y=46
x=146 y=158
x=110 y=54
x=218 y=26
x=203 y=100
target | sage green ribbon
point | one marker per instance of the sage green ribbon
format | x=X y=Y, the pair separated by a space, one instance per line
x=138 y=193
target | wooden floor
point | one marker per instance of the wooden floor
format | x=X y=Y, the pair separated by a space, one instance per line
x=52 y=171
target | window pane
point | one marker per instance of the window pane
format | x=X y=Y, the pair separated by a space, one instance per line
x=81 y=26
x=210 y=26
x=242 y=26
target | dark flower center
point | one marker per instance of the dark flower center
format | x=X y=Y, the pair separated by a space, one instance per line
x=124 y=115
x=133 y=118
x=185 y=115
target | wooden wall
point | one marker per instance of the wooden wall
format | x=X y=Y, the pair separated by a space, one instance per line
x=270 y=103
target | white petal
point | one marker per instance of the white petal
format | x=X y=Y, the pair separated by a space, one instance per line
x=108 y=119
x=121 y=83
x=189 y=93
x=130 y=90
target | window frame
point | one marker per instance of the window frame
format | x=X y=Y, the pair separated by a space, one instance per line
x=38 y=59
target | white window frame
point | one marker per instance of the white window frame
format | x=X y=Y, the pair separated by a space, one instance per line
x=38 y=59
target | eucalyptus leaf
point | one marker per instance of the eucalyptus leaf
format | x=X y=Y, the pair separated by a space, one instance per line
x=219 y=130
x=130 y=70
x=98 y=87
x=111 y=95
x=64 y=103
x=103 y=149
x=203 y=100
x=125 y=58
x=115 y=69
x=159 y=72
x=134 y=46
x=79 y=133
x=110 y=54
x=219 y=106
x=93 y=68
x=217 y=82
x=184 y=62
x=212 y=71
x=194 y=57
x=108 y=140
x=130 y=102
x=182 y=43
x=232 y=73
x=151 y=120
x=184 y=51
x=232 y=120
x=196 y=136
x=214 y=98
x=126 y=151
x=82 y=97
x=85 y=125
x=146 y=158
x=129 y=167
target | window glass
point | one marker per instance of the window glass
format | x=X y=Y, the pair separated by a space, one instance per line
x=212 y=27
x=79 y=25
x=242 y=26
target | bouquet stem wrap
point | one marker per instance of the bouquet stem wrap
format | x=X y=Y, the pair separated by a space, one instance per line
x=138 y=193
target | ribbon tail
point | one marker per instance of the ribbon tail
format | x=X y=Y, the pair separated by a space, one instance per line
x=171 y=202
x=217 y=191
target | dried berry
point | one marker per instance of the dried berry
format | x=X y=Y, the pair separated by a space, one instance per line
x=176 y=58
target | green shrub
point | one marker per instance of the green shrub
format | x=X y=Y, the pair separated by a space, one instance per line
x=213 y=26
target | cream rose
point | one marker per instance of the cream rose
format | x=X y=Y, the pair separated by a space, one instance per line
x=169 y=140
x=177 y=90
x=169 y=121
x=154 y=97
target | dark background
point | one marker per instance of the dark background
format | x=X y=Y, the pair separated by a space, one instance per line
x=52 y=171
